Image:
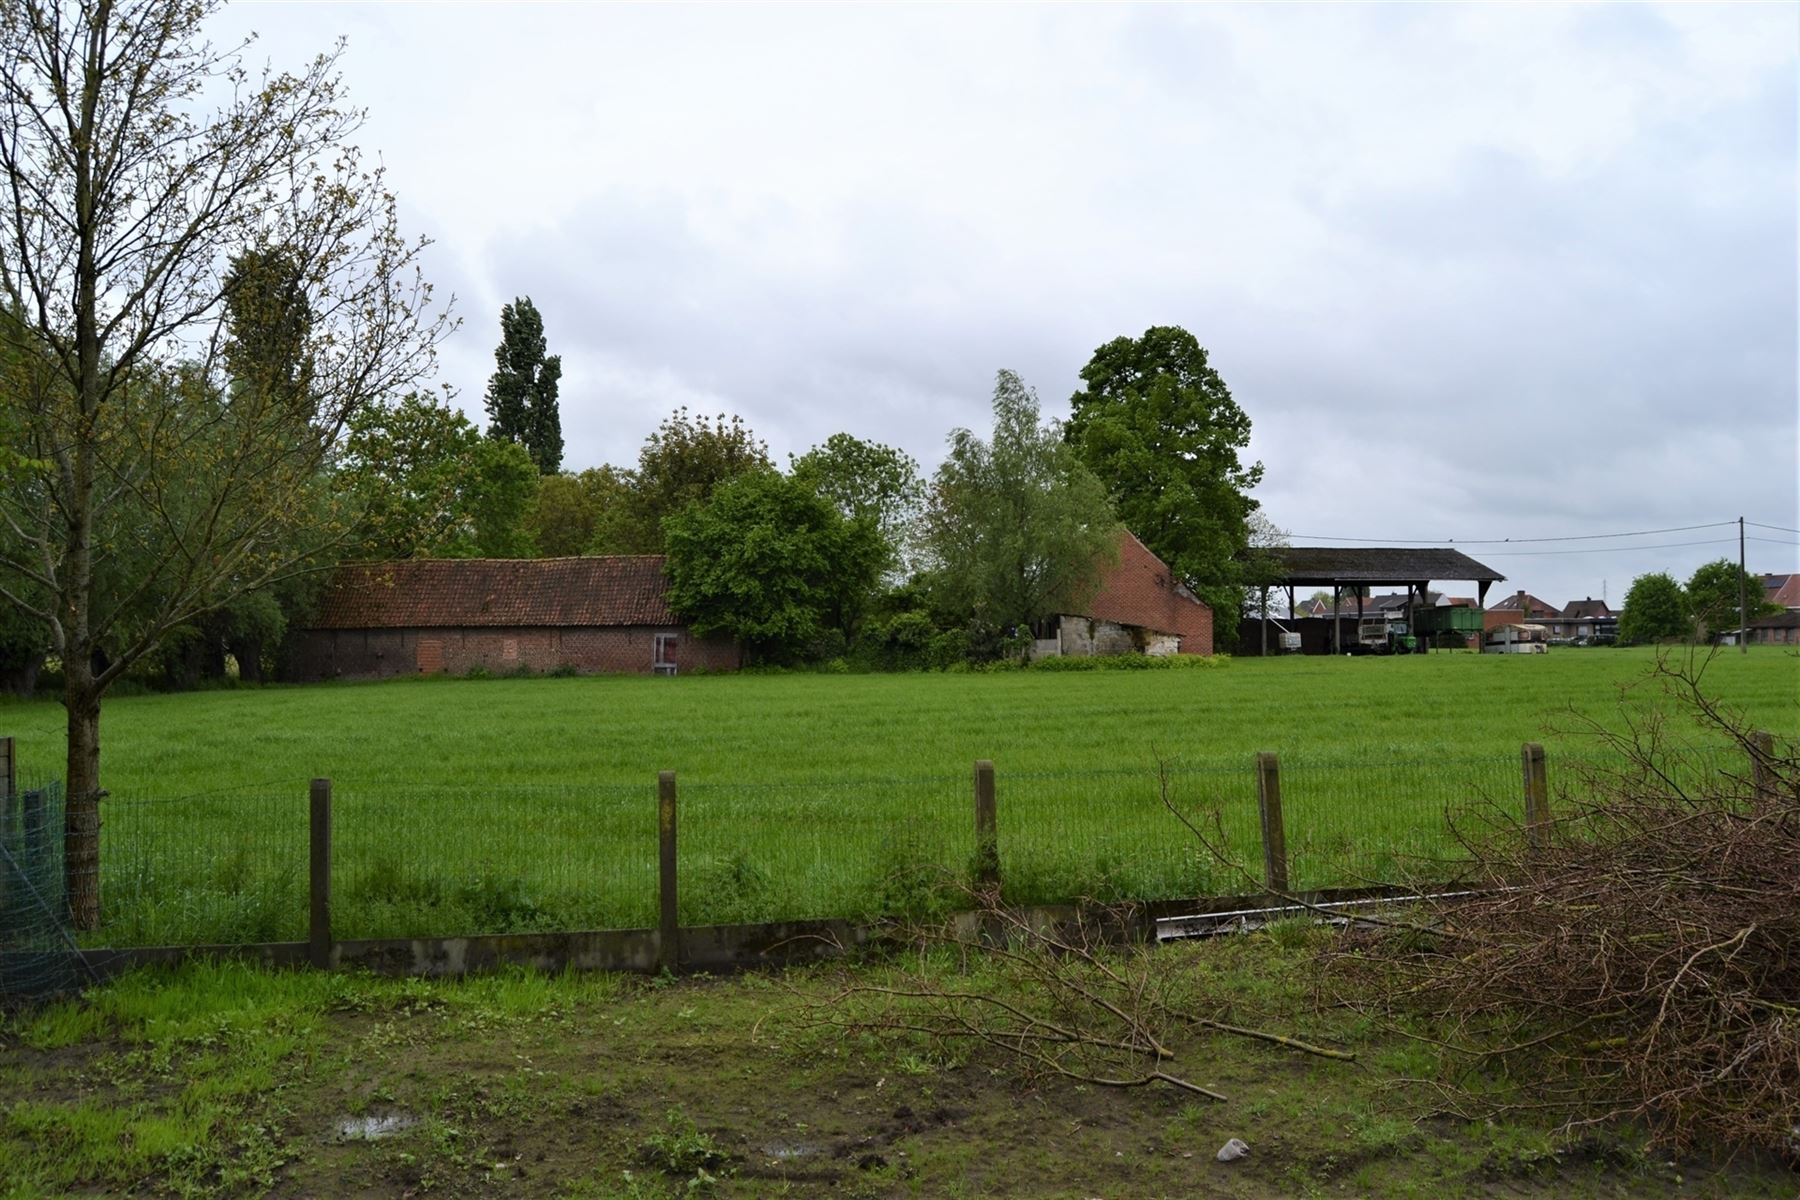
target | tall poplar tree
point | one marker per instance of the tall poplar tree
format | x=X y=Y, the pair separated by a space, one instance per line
x=521 y=394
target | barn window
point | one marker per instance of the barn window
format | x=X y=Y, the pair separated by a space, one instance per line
x=663 y=660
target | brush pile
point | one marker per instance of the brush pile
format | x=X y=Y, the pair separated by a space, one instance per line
x=1641 y=957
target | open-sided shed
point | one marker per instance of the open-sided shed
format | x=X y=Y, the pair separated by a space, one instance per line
x=1357 y=569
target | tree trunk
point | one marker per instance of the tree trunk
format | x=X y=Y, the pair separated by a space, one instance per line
x=81 y=826
x=248 y=652
x=211 y=653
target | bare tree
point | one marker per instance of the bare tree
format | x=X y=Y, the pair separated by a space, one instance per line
x=162 y=203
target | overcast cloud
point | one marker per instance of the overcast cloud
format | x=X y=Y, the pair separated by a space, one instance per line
x=1473 y=272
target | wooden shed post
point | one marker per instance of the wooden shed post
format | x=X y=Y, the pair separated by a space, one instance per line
x=319 y=941
x=987 y=839
x=1537 y=794
x=668 y=924
x=1268 y=802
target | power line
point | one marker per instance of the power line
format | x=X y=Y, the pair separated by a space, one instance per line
x=1577 y=537
x=1782 y=528
x=1613 y=549
x=1772 y=541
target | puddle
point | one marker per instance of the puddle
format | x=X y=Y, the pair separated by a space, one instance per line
x=783 y=1151
x=368 y=1129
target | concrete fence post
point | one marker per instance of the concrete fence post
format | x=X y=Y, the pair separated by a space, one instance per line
x=987 y=839
x=319 y=941
x=1537 y=794
x=1274 y=834
x=1762 y=763
x=668 y=924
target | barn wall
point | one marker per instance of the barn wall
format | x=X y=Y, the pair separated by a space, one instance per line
x=386 y=653
x=1083 y=637
x=1139 y=591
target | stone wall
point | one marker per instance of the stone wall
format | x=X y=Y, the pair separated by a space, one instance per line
x=1082 y=637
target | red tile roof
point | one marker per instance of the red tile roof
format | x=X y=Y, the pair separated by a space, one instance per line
x=509 y=592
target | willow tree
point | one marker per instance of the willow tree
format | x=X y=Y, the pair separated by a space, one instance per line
x=204 y=282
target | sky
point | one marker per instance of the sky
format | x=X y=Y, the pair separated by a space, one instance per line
x=1474 y=273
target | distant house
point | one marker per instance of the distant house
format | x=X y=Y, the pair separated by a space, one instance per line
x=1140 y=607
x=453 y=616
x=1586 y=618
x=1520 y=608
x=1782 y=590
x=1386 y=606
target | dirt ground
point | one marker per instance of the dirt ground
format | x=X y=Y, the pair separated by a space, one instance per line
x=226 y=1081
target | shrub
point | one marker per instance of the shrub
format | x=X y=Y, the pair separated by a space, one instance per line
x=1131 y=662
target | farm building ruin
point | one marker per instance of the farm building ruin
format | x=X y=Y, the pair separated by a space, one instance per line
x=453 y=616
x=1139 y=607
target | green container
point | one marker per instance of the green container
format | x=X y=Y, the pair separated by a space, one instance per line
x=1449 y=619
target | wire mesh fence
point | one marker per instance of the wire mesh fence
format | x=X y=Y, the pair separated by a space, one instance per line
x=1386 y=819
x=414 y=861
x=212 y=868
x=410 y=861
x=792 y=851
x=1114 y=835
x=37 y=955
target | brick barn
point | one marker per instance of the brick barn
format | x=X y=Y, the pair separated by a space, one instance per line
x=452 y=616
x=1140 y=607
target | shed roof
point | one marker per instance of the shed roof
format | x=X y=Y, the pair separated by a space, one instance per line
x=1378 y=564
x=615 y=589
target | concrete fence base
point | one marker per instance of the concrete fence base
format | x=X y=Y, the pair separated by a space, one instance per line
x=703 y=948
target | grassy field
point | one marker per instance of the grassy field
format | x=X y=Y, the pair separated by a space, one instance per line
x=499 y=804
x=229 y=1081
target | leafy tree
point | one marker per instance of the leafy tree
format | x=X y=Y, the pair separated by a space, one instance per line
x=131 y=197
x=1015 y=528
x=1262 y=565
x=867 y=480
x=1712 y=596
x=1158 y=425
x=580 y=514
x=430 y=486
x=521 y=393
x=561 y=518
x=680 y=464
x=1654 y=610
x=611 y=497
x=768 y=560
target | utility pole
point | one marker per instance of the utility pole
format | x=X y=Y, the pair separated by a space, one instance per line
x=1743 y=601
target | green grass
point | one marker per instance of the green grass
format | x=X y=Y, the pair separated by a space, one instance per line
x=490 y=805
